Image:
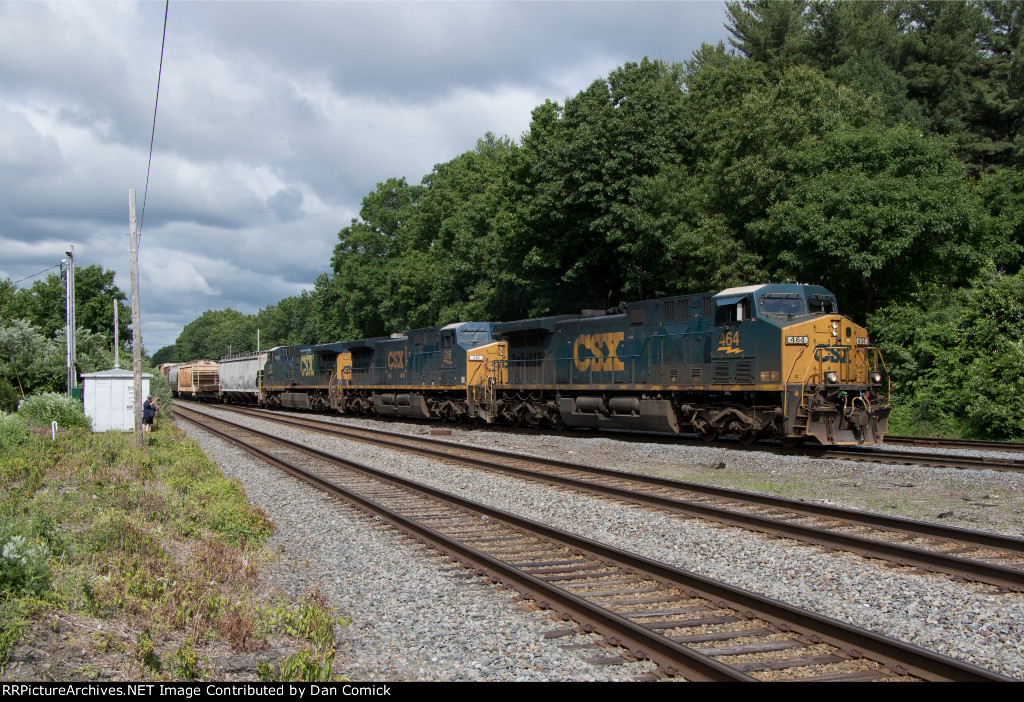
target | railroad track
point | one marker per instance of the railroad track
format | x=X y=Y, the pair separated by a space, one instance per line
x=962 y=553
x=916 y=458
x=688 y=625
x=969 y=444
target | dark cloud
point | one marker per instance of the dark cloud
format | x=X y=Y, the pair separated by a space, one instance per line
x=274 y=120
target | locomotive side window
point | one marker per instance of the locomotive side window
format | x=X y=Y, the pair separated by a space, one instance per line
x=822 y=305
x=737 y=311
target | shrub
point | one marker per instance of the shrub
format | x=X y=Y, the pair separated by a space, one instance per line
x=12 y=431
x=23 y=568
x=40 y=410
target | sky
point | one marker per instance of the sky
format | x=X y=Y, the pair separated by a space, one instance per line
x=274 y=120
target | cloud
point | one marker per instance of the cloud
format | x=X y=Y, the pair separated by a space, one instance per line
x=274 y=120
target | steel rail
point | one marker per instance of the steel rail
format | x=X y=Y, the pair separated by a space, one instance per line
x=970 y=444
x=899 y=657
x=906 y=555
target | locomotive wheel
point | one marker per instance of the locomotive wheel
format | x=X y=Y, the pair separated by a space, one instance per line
x=791 y=441
x=748 y=437
x=709 y=434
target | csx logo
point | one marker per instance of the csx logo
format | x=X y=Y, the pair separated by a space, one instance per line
x=306 y=365
x=598 y=352
x=396 y=359
x=832 y=354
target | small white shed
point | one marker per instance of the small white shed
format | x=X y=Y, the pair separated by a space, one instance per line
x=109 y=398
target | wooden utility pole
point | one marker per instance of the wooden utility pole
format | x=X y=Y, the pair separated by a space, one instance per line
x=136 y=323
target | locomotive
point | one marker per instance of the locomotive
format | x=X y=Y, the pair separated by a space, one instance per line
x=773 y=360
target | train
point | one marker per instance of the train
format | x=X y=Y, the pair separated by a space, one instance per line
x=775 y=361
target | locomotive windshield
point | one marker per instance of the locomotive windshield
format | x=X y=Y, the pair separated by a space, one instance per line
x=782 y=305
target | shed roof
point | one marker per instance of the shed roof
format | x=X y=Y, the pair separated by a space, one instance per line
x=115 y=373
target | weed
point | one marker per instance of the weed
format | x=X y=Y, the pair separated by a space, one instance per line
x=40 y=410
x=187 y=662
x=146 y=652
x=12 y=624
x=237 y=629
x=13 y=431
x=23 y=567
x=300 y=667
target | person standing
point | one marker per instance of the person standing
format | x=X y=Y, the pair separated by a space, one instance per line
x=148 y=413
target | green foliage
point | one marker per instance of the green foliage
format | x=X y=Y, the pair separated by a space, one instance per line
x=12 y=624
x=186 y=662
x=957 y=358
x=9 y=396
x=44 y=307
x=313 y=620
x=216 y=334
x=956 y=61
x=23 y=567
x=41 y=410
x=299 y=667
x=166 y=354
x=871 y=147
x=146 y=652
x=12 y=431
x=29 y=360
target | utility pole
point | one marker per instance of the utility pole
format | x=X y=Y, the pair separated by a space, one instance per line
x=136 y=323
x=117 y=362
x=71 y=357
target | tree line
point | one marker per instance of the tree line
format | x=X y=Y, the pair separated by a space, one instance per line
x=870 y=147
x=33 y=331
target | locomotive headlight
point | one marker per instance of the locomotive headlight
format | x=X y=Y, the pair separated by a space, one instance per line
x=876 y=378
x=832 y=378
x=835 y=328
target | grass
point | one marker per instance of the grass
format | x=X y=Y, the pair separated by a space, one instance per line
x=150 y=551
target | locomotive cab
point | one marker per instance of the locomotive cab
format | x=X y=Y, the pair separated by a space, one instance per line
x=811 y=368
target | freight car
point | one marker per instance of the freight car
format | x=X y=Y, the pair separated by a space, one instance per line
x=774 y=361
x=197 y=380
x=240 y=377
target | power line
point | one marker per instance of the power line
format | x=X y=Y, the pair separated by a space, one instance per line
x=56 y=265
x=152 y=136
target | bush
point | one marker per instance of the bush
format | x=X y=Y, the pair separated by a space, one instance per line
x=12 y=431
x=40 y=410
x=23 y=568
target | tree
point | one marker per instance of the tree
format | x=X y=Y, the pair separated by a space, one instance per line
x=957 y=357
x=957 y=60
x=216 y=334
x=874 y=214
x=572 y=186
x=376 y=294
x=44 y=305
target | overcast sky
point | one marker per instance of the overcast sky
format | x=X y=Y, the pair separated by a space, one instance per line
x=274 y=120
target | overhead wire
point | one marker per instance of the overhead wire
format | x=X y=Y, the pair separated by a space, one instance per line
x=156 y=104
x=35 y=274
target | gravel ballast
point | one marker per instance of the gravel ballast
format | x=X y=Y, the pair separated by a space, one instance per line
x=416 y=618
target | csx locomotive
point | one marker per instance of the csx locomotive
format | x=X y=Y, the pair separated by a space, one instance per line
x=775 y=361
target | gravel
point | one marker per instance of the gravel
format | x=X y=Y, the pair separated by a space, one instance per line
x=416 y=618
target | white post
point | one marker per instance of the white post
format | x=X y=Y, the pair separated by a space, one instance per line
x=117 y=363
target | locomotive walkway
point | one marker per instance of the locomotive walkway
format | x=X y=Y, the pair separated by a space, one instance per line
x=688 y=625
